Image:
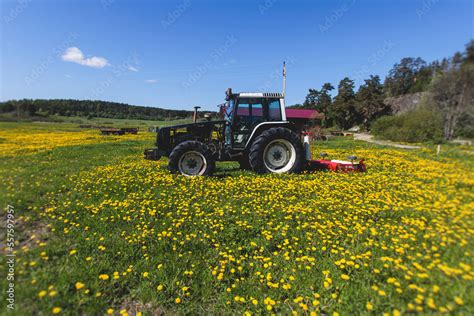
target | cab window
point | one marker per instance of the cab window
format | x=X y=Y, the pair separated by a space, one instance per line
x=249 y=113
x=274 y=110
x=243 y=109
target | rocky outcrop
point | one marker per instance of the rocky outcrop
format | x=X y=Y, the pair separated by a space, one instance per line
x=404 y=103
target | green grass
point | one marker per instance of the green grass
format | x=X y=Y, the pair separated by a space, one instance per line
x=73 y=120
x=57 y=193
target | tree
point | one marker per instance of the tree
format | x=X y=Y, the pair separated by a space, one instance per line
x=409 y=76
x=321 y=101
x=469 y=54
x=296 y=106
x=311 y=99
x=369 y=101
x=452 y=92
x=343 y=110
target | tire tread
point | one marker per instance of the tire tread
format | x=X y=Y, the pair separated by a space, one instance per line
x=189 y=145
x=258 y=147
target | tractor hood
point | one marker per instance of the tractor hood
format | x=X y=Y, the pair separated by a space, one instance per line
x=168 y=136
x=192 y=125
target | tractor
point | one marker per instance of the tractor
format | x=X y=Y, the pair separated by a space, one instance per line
x=254 y=130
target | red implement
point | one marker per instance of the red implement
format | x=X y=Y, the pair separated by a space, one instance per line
x=337 y=165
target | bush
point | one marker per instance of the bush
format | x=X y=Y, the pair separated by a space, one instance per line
x=418 y=125
x=465 y=127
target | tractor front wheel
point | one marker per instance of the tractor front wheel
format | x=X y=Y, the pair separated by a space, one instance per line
x=191 y=158
x=277 y=150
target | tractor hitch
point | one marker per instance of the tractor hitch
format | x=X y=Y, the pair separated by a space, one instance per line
x=153 y=154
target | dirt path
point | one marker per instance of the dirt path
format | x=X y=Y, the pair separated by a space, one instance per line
x=369 y=138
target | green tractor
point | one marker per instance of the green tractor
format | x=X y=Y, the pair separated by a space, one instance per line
x=254 y=130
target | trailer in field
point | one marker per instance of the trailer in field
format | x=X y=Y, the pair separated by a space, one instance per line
x=119 y=131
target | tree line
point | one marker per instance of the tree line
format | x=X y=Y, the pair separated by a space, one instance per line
x=89 y=108
x=448 y=87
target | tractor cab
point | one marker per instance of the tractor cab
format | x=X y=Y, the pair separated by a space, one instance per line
x=244 y=112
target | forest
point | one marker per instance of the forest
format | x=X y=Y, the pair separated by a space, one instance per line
x=88 y=108
x=445 y=111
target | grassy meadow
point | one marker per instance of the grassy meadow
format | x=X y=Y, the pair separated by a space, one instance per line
x=99 y=230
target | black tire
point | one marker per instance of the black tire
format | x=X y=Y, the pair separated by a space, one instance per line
x=275 y=136
x=191 y=150
x=244 y=163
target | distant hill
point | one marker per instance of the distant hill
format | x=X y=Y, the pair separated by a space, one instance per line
x=89 y=108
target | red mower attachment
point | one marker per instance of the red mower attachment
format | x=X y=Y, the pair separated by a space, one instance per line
x=333 y=165
x=337 y=165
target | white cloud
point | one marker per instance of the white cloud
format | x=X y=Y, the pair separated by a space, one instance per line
x=151 y=81
x=131 y=68
x=75 y=55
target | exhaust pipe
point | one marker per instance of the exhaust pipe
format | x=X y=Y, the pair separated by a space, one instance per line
x=195 y=115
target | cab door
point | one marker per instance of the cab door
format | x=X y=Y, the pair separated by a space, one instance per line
x=248 y=114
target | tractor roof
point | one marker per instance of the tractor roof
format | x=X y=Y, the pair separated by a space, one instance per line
x=259 y=95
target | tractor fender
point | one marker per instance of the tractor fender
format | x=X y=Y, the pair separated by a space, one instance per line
x=264 y=126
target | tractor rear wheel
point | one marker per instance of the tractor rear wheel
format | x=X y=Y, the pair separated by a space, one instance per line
x=277 y=150
x=191 y=158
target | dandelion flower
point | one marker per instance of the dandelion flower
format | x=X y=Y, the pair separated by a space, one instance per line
x=103 y=277
x=369 y=306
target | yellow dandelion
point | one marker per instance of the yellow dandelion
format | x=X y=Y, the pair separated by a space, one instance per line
x=369 y=306
x=79 y=285
x=104 y=276
x=458 y=300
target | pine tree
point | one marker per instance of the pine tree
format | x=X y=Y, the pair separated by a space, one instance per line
x=321 y=100
x=409 y=76
x=343 y=110
x=369 y=101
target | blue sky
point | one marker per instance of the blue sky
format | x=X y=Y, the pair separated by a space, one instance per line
x=177 y=54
